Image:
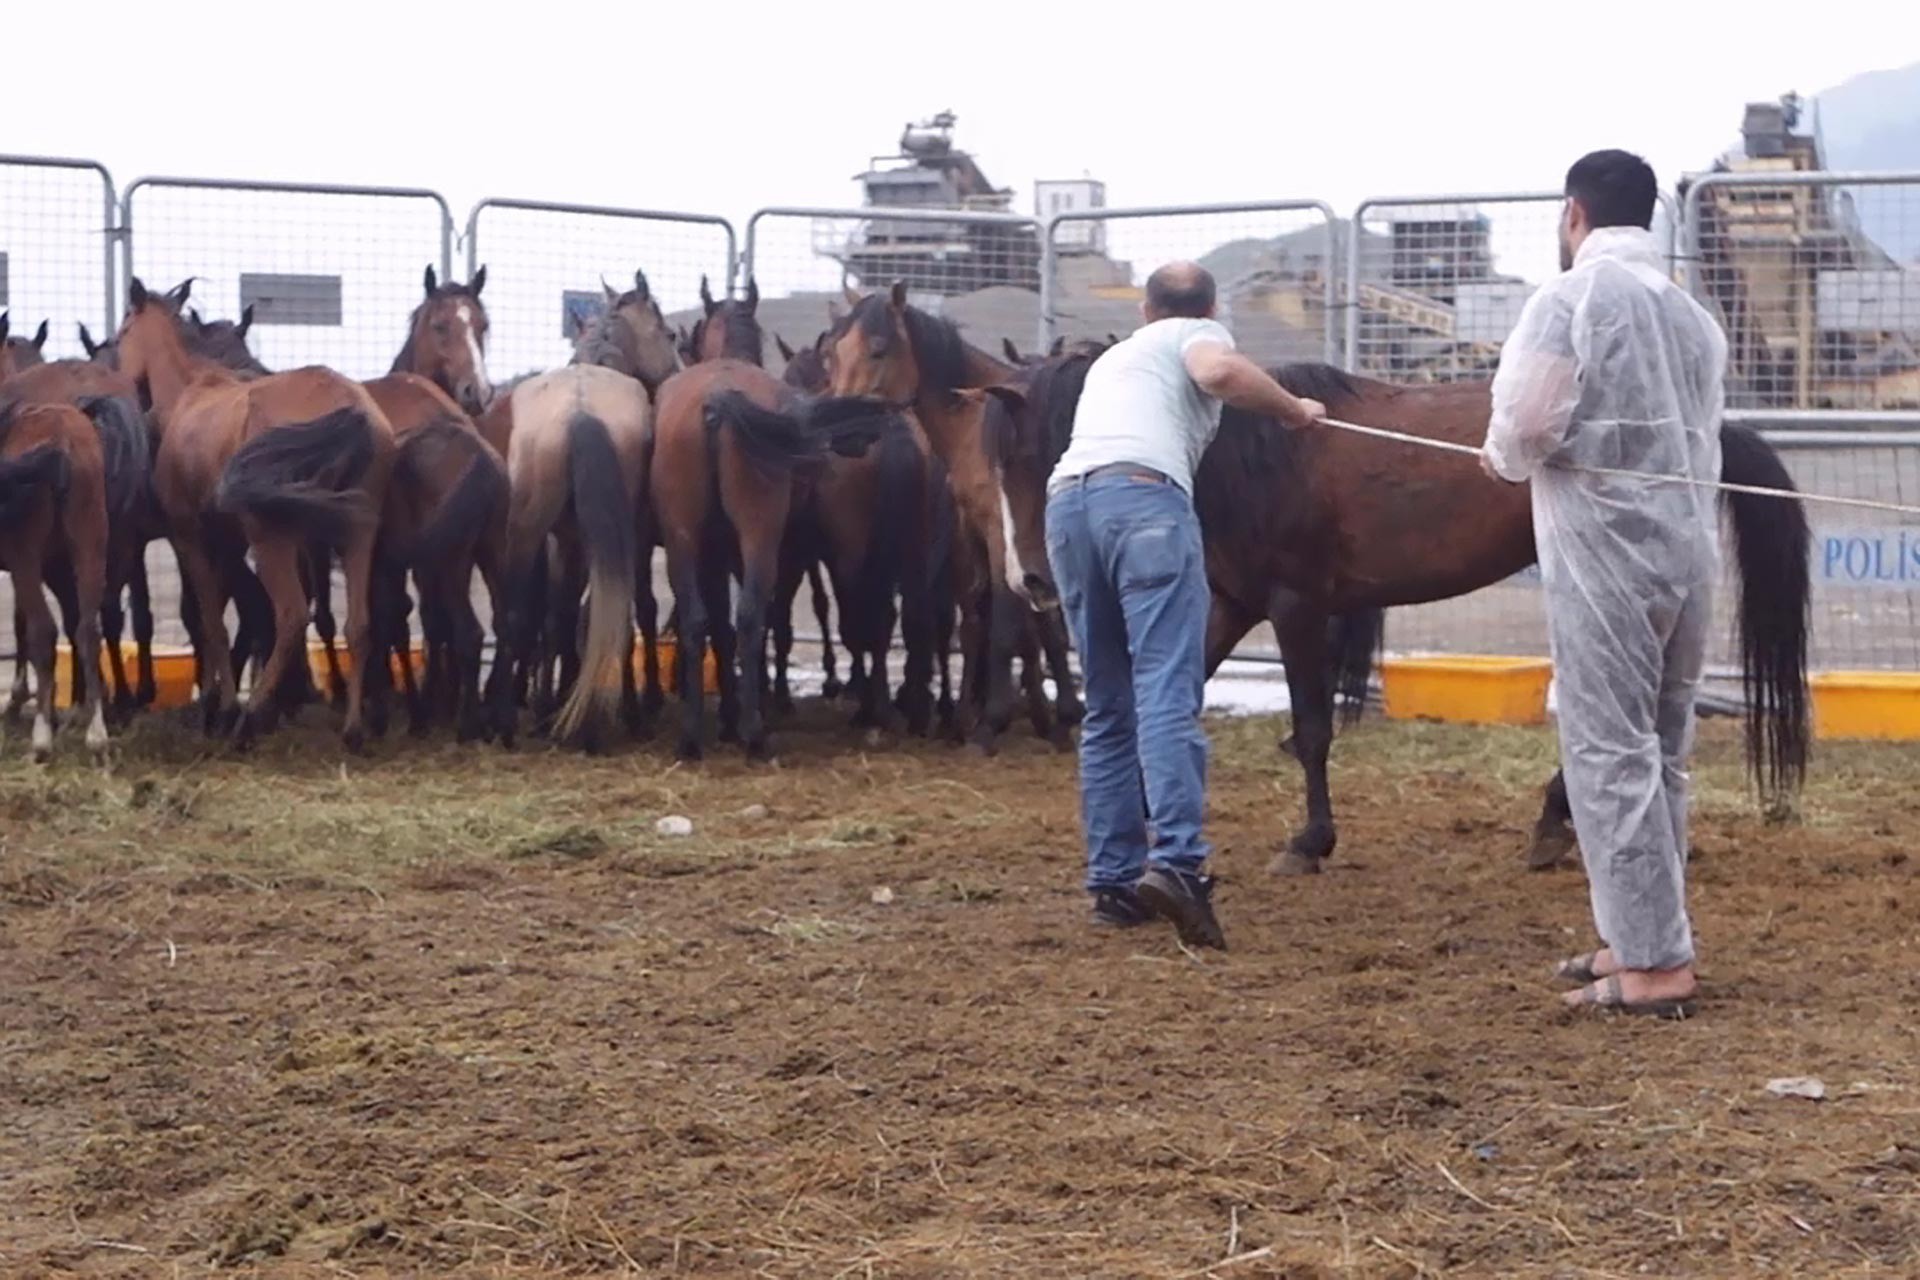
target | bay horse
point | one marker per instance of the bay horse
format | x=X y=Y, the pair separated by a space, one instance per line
x=291 y=458
x=447 y=341
x=112 y=402
x=1303 y=526
x=53 y=506
x=19 y=353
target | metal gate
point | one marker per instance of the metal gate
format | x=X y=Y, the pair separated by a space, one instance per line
x=333 y=272
x=1275 y=262
x=980 y=269
x=56 y=250
x=546 y=264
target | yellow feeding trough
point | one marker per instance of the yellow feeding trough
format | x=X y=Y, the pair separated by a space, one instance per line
x=709 y=669
x=1467 y=689
x=1866 y=704
x=172 y=674
x=317 y=662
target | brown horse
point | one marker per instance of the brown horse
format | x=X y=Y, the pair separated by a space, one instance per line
x=19 y=353
x=1302 y=526
x=447 y=341
x=291 y=458
x=53 y=506
x=112 y=401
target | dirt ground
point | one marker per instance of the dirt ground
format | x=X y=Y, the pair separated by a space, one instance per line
x=453 y=1011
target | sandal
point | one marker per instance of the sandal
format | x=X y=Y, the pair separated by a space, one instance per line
x=1578 y=971
x=1607 y=997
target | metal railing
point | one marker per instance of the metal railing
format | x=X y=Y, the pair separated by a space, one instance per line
x=57 y=228
x=547 y=261
x=1275 y=263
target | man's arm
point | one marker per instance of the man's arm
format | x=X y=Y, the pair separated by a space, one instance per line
x=1535 y=391
x=1225 y=374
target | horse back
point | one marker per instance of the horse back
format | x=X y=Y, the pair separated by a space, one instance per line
x=410 y=402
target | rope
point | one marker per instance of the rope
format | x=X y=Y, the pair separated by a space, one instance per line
x=1762 y=491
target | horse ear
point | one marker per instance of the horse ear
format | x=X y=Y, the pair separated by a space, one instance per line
x=6 y=322
x=1059 y=345
x=179 y=293
x=834 y=314
x=707 y=303
x=431 y=280
x=40 y=336
x=193 y=318
x=847 y=292
x=478 y=282
x=899 y=293
x=136 y=294
x=613 y=295
x=786 y=352
x=753 y=295
x=640 y=285
x=1012 y=352
x=86 y=341
x=1010 y=398
x=246 y=321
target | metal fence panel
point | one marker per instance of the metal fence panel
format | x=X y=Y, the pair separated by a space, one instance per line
x=1275 y=263
x=56 y=249
x=981 y=270
x=337 y=270
x=545 y=264
x=1816 y=278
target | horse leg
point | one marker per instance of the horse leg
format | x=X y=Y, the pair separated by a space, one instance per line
x=113 y=625
x=781 y=623
x=714 y=580
x=17 y=700
x=277 y=559
x=87 y=539
x=690 y=609
x=60 y=580
x=1554 y=839
x=760 y=567
x=320 y=566
x=140 y=598
x=204 y=587
x=358 y=559
x=1302 y=629
x=1053 y=643
x=647 y=609
x=822 y=615
x=1033 y=682
x=463 y=641
x=38 y=636
x=1003 y=641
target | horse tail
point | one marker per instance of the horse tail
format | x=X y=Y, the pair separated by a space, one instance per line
x=604 y=512
x=901 y=486
x=779 y=440
x=1354 y=643
x=464 y=511
x=301 y=479
x=45 y=468
x=1771 y=543
x=125 y=452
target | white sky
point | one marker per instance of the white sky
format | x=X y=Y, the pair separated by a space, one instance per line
x=724 y=107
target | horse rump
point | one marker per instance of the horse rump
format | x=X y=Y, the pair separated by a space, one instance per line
x=477 y=497
x=603 y=510
x=126 y=451
x=43 y=469
x=1770 y=542
x=300 y=479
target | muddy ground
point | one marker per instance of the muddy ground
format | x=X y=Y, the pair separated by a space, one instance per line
x=460 y=1012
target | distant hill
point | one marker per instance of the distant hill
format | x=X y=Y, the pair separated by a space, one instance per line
x=1873 y=122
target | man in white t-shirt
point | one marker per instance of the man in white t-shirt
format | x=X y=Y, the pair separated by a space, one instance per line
x=1124 y=544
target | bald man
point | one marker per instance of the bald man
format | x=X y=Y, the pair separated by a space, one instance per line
x=1125 y=549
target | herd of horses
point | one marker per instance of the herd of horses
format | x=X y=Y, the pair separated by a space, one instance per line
x=890 y=459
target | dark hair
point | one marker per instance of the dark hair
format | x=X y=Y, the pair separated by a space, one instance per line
x=1616 y=188
x=1180 y=289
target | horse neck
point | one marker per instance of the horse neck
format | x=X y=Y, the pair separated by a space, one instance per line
x=404 y=362
x=984 y=370
x=170 y=369
x=953 y=429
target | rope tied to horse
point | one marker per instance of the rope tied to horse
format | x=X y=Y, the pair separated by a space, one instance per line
x=1762 y=491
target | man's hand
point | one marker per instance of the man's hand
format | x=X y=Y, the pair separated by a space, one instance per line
x=1311 y=411
x=1486 y=465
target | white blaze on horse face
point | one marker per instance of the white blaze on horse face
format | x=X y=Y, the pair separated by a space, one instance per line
x=481 y=386
x=1016 y=572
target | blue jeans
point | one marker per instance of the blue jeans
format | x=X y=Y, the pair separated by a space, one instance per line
x=1127 y=558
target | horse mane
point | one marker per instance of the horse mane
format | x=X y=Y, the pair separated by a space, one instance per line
x=938 y=348
x=745 y=339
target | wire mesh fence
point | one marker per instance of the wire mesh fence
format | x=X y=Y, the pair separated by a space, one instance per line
x=1275 y=265
x=1816 y=279
x=981 y=270
x=56 y=250
x=548 y=266
x=331 y=272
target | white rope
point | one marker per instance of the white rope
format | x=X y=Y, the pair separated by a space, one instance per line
x=1448 y=446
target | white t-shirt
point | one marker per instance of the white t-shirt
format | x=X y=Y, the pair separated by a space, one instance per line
x=1140 y=405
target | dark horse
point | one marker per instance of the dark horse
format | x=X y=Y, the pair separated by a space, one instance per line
x=1303 y=526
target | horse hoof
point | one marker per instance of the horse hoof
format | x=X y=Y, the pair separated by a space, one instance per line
x=1550 y=849
x=760 y=752
x=1061 y=738
x=355 y=741
x=1287 y=748
x=690 y=752
x=1291 y=863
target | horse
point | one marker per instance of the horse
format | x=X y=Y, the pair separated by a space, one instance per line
x=53 y=505
x=112 y=402
x=1303 y=526
x=907 y=355
x=19 y=353
x=447 y=341
x=291 y=458
x=102 y=353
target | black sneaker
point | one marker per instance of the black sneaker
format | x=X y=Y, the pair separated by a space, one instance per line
x=1187 y=900
x=1118 y=907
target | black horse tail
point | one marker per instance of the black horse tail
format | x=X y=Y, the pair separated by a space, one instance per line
x=1770 y=542
x=125 y=450
x=900 y=502
x=778 y=440
x=44 y=468
x=476 y=497
x=604 y=511
x=1354 y=643
x=302 y=479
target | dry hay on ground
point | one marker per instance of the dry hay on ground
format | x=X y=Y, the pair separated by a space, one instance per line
x=460 y=1012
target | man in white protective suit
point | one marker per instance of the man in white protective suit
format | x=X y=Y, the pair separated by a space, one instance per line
x=1611 y=365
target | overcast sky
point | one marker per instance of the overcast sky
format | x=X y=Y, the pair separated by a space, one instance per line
x=724 y=107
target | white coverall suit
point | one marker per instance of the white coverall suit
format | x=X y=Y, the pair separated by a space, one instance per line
x=1612 y=365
